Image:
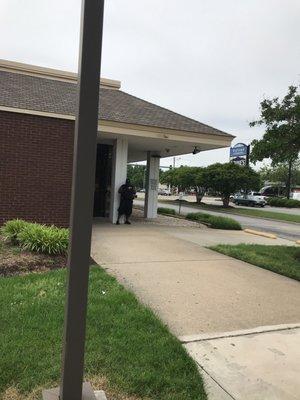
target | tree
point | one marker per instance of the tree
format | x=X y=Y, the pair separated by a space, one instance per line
x=188 y=178
x=279 y=173
x=281 y=140
x=228 y=179
x=185 y=178
x=136 y=174
x=168 y=177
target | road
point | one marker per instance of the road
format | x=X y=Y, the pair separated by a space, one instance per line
x=217 y=202
x=285 y=230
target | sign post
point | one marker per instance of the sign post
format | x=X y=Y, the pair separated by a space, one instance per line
x=82 y=197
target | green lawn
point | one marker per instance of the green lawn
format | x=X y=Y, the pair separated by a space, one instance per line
x=127 y=346
x=284 y=260
x=251 y=212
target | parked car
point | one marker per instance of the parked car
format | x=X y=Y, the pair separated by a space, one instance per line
x=164 y=192
x=251 y=199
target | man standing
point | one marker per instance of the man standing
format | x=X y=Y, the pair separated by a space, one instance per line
x=127 y=193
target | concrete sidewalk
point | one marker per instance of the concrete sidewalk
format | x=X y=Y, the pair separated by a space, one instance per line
x=193 y=289
x=251 y=364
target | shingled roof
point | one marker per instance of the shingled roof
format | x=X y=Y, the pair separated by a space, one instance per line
x=59 y=97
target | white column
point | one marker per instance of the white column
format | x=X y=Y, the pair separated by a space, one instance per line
x=119 y=174
x=152 y=181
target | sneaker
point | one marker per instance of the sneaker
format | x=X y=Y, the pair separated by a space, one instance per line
x=117 y=223
x=127 y=223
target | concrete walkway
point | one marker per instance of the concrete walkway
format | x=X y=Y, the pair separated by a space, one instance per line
x=195 y=290
x=260 y=364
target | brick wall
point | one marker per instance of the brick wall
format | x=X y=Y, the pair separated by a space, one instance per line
x=35 y=168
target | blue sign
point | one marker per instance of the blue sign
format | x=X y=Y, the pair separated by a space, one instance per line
x=240 y=149
x=239 y=160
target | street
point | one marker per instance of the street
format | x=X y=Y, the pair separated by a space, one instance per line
x=285 y=230
x=217 y=202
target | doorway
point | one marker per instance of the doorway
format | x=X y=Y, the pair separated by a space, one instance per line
x=103 y=174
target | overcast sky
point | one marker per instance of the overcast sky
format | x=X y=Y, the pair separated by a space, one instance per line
x=210 y=60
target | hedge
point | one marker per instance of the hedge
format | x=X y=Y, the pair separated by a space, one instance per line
x=165 y=210
x=283 y=202
x=297 y=255
x=36 y=237
x=215 y=222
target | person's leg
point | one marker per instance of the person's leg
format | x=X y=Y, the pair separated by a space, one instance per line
x=127 y=211
x=118 y=220
x=128 y=214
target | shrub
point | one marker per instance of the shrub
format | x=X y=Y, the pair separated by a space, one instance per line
x=165 y=210
x=44 y=239
x=283 y=202
x=224 y=223
x=11 y=229
x=198 y=217
x=215 y=222
x=297 y=255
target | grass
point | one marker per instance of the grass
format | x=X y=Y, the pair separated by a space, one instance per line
x=251 y=212
x=126 y=344
x=214 y=221
x=284 y=260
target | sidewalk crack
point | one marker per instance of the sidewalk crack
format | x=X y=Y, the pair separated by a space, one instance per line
x=220 y=386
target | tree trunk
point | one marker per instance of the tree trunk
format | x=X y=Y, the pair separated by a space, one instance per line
x=289 y=178
x=200 y=192
x=198 y=197
x=225 y=200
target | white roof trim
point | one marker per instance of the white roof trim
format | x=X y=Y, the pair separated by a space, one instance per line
x=119 y=128
x=50 y=73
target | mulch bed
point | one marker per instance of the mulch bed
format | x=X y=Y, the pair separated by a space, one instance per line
x=14 y=261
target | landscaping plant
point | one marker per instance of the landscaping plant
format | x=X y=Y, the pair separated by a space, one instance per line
x=297 y=255
x=36 y=237
x=283 y=202
x=11 y=229
x=44 y=239
x=165 y=210
x=215 y=222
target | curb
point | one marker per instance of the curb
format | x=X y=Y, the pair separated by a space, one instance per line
x=259 y=233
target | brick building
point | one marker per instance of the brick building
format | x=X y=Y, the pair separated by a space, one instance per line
x=37 y=113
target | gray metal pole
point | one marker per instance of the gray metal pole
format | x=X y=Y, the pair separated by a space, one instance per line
x=82 y=199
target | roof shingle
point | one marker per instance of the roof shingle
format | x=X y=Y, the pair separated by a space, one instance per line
x=54 y=96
